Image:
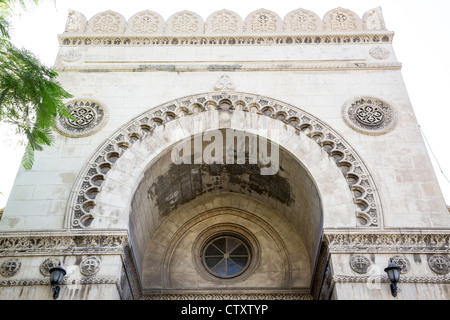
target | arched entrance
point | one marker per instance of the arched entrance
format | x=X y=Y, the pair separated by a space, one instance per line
x=174 y=212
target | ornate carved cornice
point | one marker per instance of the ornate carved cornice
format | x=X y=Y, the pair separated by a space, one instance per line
x=389 y=242
x=225 y=22
x=58 y=244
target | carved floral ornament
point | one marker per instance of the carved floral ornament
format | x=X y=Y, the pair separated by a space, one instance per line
x=83 y=202
x=225 y=21
x=88 y=117
x=369 y=115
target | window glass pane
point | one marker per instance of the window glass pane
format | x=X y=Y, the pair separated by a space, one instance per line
x=232 y=243
x=240 y=250
x=240 y=261
x=212 y=250
x=232 y=268
x=221 y=268
x=221 y=244
x=212 y=261
x=226 y=256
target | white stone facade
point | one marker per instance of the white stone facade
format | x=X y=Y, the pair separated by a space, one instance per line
x=354 y=165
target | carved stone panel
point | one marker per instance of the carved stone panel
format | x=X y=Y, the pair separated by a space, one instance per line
x=369 y=115
x=88 y=118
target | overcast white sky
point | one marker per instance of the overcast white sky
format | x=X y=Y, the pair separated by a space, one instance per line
x=421 y=44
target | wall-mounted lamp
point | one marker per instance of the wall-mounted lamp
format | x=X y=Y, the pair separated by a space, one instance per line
x=393 y=272
x=56 y=276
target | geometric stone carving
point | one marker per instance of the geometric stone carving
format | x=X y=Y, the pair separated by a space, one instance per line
x=386 y=243
x=301 y=20
x=402 y=262
x=224 y=21
x=439 y=264
x=90 y=266
x=263 y=21
x=360 y=264
x=369 y=115
x=89 y=117
x=10 y=267
x=145 y=22
x=106 y=22
x=224 y=83
x=47 y=264
x=70 y=55
x=379 y=53
x=76 y=22
x=373 y=20
x=81 y=209
x=341 y=19
x=184 y=22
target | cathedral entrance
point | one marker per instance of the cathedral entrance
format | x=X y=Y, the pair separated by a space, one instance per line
x=224 y=194
x=225 y=228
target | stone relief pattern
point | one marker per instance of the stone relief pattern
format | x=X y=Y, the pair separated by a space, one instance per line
x=82 y=204
x=302 y=21
x=90 y=266
x=342 y=20
x=47 y=264
x=146 y=22
x=416 y=243
x=185 y=22
x=379 y=53
x=89 y=117
x=10 y=267
x=76 y=22
x=369 y=115
x=225 y=21
x=439 y=264
x=385 y=279
x=360 y=264
x=263 y=21
x=373 y=20
x=171 y=40
x=402 y=262
x=62 y=244
x=228 y=296
x=65 y=281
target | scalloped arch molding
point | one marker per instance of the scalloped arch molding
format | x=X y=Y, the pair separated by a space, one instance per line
x=120 y=161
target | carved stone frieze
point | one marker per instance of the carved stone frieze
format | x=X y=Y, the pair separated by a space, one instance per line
x=228 y=296
x=66 y=281
x=58 y=244
x=82 y=205
x=388 y=242
x=225 y=21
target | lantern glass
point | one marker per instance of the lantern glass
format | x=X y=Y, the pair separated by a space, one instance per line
x=56 y=275
x=393 y=272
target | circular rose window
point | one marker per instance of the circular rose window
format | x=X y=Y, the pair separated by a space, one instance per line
x=226 y=256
